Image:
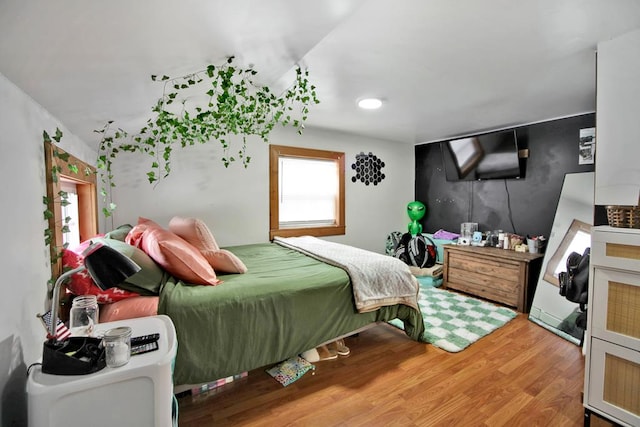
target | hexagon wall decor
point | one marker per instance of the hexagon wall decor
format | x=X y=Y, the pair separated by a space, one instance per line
x=368 y=169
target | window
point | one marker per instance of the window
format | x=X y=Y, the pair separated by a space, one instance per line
x=306 y=192
x=71 y=238
x=83 y=182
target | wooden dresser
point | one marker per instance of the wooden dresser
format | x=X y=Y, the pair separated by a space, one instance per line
x=498 y=275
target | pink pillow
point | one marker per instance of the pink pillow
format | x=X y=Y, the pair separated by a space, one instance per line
x=198 y=234
x=174 y=254
x=223 y=260
x=82 y=284
x=194 y=231
x=129 y=308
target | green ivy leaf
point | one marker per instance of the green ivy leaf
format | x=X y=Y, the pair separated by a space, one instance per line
x=62 y=156
x=58 y=135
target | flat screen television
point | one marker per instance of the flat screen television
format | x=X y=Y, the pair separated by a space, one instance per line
x=487 y=156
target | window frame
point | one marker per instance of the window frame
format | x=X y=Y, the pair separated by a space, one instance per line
x=86 y=185
x=277 y=151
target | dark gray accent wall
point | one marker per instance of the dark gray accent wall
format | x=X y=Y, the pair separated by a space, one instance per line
x=525 y=206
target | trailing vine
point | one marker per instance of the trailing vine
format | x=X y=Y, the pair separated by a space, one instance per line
x=62 y=197
x=61 y=163
x=230 y=103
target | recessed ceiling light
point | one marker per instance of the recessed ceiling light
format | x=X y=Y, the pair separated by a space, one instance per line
x=370 y=103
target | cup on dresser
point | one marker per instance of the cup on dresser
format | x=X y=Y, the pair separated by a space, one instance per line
x=467 y=229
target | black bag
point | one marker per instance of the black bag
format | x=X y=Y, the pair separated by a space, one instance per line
x=418 y=251
x=574 y=283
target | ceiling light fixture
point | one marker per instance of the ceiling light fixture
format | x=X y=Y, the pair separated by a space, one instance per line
x=370 y=103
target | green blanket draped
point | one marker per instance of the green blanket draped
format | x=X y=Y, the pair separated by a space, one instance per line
x=285 y=304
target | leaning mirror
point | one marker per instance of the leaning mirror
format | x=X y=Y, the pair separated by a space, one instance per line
x=570 y=232
x=576 y=239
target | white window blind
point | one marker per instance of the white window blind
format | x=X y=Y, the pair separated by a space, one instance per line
x=308 y=190
x=72 y=238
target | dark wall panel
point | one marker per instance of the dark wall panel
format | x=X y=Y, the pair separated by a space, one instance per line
x=524 y=206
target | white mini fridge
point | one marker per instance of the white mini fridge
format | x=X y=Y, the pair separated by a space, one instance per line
x=139 y=393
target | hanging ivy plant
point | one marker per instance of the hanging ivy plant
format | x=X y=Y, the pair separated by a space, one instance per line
x=62 y=197
x=59 y=163
x=230 y=104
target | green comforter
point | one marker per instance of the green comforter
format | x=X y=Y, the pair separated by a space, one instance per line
x=285 y=304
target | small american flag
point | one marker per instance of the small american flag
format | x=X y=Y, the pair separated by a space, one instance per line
x=62 y=332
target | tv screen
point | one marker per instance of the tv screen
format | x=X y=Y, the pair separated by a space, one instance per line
x=488 y=156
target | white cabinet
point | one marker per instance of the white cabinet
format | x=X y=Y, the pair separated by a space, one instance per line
x=139 y=393
x=612 y=369
x=618 y=109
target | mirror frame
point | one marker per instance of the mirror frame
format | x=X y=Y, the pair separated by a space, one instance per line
x=575 y=227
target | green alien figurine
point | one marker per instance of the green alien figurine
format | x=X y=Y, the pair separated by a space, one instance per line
x=416 y=211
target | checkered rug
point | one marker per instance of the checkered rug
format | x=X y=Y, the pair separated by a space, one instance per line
x=453 y=321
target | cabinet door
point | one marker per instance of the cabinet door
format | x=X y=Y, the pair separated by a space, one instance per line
x=617 y=167
x=614 y=381
x=615 y=306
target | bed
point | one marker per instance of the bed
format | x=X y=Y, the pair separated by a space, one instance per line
x=286 y=303
x=289 y=298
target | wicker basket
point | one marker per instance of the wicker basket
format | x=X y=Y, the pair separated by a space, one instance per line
x=624 y=216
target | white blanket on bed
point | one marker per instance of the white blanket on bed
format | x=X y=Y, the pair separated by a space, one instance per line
x=377 y=280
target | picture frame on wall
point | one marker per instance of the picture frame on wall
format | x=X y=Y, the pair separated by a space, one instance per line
x=587 y=146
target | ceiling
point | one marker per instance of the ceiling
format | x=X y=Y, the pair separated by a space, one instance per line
x=443 y=68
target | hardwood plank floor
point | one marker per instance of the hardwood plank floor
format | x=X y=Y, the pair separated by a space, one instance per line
x=520 y=375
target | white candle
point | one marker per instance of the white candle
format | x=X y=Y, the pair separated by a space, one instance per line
x=117 y=354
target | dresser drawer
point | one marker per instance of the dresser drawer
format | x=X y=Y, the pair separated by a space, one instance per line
x=485 y=266
x=506 y=293
x=615 y=248
x=616 y=300
x=496 y=280
x=614 y=381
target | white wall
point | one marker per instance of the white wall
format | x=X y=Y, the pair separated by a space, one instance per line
x=24 y=262
x=234 y=202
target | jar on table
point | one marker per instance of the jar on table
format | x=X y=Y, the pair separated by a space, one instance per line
x=84 y=315
x=117 y=346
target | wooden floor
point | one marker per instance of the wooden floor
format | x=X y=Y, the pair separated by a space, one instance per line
x=520 y=375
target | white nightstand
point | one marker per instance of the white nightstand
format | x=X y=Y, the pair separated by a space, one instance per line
x=139 y=393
